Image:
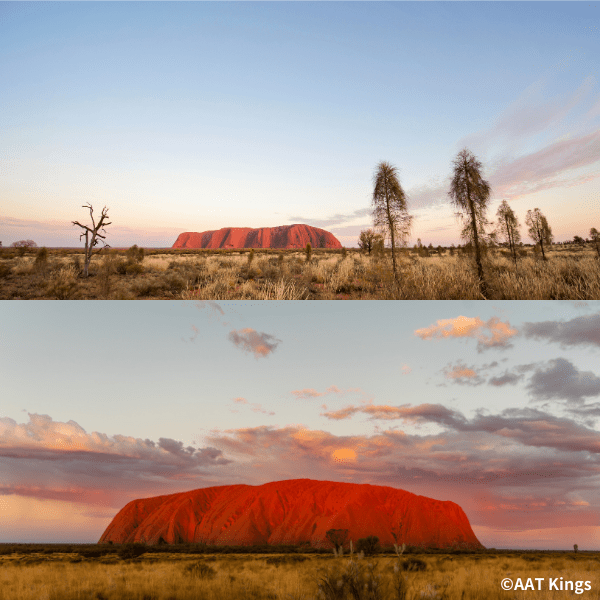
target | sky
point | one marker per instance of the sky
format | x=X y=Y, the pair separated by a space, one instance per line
x=195 y=116
x=493 y=406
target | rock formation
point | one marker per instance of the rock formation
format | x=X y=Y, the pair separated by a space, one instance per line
x=285 y=236
x=291 y=512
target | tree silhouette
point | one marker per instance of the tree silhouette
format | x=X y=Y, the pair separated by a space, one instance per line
x=595 y=235
x=470 y=194
x=390 y=214
x=539 y=230
x=508 y=227
x=90 y=246
x=368 y=240
x=337 y=537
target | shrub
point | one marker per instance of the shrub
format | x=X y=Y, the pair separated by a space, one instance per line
x=4 y=270
x=131 y=550
x=135 y=254
x=134 y=268
x=368 y=545
x=413 y=564
x=308 y=252
x=41 y=259
x=63 y=284
x=250 y=257
x=200 y=570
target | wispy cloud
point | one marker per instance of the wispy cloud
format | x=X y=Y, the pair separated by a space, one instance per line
x=254 y=407
x=312 y=393
x=462 y=374
x=498 y=333
x=249 y=340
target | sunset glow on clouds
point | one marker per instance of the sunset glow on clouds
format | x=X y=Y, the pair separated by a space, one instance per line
x=492 y=407
x=203 y=115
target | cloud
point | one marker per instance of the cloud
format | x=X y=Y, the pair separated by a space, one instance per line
x=334 y=219
x=249 y=340
x=257 y=408
x=498 y=337
x=462 y=374
x=563 y=381
x=505 y=379
x=38 y=457
x=312 y=393
x=584 y=331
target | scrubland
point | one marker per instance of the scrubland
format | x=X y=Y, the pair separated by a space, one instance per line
x=568 y=273
x=165 y=576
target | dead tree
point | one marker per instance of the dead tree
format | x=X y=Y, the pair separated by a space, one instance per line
x=89 y=245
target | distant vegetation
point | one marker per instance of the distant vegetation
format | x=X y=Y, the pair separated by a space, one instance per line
x=192 y=572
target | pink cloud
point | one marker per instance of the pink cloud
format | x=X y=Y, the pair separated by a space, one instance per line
x=249 y=340
x=498 y=333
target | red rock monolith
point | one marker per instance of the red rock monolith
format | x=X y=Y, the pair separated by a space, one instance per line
x=285 y=236
x=293 y=512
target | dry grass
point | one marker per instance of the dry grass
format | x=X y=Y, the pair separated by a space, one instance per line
x=260 y=577
x=569 y=273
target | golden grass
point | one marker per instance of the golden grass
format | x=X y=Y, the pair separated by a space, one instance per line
x=256 y=577
x=569 y=273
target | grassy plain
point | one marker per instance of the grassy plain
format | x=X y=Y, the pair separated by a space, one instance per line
x=165 y=576
x=568 y=273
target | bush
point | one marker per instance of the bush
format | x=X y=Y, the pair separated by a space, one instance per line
x=5 y=270
x=308 y=252
x=135 y=254
x=368 y=545
x=131 y=550
x=41 y=259
x=200 y=570
x=413 y=564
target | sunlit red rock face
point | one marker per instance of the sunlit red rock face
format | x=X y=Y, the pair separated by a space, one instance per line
x=291 y=512
x=285 y=236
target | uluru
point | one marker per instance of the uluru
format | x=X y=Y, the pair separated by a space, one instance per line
x=293 y=512
x=284 y=236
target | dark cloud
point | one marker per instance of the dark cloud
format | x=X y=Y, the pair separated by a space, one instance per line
x=584 y=331
x=505 y=379
x=563 y=381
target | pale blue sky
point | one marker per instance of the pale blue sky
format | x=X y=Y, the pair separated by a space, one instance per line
x=198 y=115
x=491 y=405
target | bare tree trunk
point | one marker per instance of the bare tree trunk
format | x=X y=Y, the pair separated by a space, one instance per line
x=482 y=285
x=387 y=202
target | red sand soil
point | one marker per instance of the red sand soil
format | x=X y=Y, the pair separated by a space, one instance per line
x=285 y=236
x=291 y=512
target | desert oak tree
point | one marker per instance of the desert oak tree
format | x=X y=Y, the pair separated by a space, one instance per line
x=390 y=214
x=470 y=193
x=368 y=239
x=539 y=230
x=508 y=227
x=89 y=244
